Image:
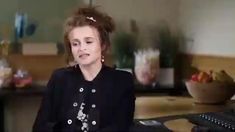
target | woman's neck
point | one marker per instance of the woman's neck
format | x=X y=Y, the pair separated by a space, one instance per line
x=91 y=71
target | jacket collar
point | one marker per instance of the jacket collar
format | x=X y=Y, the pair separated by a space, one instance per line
x=98 y=77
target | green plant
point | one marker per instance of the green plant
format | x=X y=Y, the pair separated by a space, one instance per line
x=123 y=49
x=168 y=44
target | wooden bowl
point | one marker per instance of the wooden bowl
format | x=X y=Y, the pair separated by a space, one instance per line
x=210 y=93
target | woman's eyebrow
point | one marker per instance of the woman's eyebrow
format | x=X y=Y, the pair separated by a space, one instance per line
x=89 y=38
x=77 y=40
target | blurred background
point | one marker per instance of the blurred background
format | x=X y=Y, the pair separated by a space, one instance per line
x=179 y=38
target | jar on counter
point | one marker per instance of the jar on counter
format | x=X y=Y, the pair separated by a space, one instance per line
x=4 y=47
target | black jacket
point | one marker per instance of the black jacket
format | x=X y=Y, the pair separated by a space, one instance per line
x=114 y=99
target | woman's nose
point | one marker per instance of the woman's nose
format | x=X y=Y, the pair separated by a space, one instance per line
x=83 y=46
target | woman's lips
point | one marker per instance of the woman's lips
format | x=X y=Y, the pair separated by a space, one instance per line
x=83 y=56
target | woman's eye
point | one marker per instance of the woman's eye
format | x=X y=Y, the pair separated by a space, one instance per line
x=74 y=43
x=89 y=42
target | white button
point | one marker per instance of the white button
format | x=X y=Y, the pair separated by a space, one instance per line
x=93 y=90
x=93 y=122
x=93 y=105
x=75 y=104
x=81 y=89
x=69 y=121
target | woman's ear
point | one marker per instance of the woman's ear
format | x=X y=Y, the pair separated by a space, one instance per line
x=103 y=47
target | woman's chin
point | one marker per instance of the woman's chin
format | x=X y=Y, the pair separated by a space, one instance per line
x=89 y=62
x=86 y=64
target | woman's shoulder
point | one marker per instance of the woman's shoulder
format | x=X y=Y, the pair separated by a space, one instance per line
x=63 y=71
x=121 y=74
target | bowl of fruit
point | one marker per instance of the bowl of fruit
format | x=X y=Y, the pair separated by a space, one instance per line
x=211 y=88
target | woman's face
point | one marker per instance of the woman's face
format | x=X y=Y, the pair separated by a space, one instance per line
x=85 y=45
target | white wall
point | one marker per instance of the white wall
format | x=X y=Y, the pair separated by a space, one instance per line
x=146 y=13
x=209 y=26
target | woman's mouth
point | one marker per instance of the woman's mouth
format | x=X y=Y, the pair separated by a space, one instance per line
x=83 y=56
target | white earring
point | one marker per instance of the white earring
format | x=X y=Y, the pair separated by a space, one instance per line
x=102 y=58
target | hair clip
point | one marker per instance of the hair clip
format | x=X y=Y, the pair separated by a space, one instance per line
x=91 y=18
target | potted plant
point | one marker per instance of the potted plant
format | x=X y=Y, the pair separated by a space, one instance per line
x=168 y=44
x=123 y=49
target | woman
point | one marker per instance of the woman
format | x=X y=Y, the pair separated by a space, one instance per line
x=88 y=96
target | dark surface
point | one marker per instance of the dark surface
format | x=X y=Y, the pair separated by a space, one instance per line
x=12 y=91
x=141 y=128
x=28 y=90
x=1 y=115
x=215 y=121
x=36 y=89
x=225 y=118
x=177 y=89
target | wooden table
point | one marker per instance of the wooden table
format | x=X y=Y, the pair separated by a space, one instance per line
x=160 y=106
